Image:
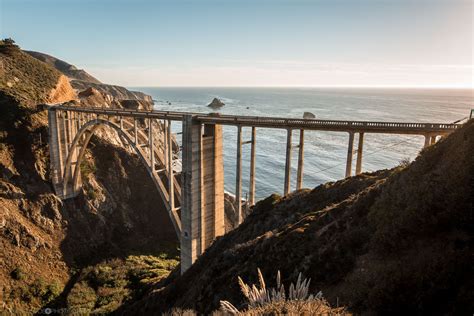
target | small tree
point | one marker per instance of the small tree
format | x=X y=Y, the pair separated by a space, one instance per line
x=9 y=42
x=8 y=46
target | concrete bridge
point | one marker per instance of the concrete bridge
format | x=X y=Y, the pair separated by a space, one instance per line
x=194 y=195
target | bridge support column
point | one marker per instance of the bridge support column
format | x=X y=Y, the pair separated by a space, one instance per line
x=360 y=149
x=432 y=139
x=202 y=215
x=135 y=131
x=287 y=186
x=427 y=141
x=165 y=143
x=253 y=145
x=350 y=150
x=55 y=150
x=299 y=174
x=63 y=129
x=238 y=177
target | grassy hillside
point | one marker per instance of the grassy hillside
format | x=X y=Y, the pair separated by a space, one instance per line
x=26 y=79
x=69 y=70
x=392 y=242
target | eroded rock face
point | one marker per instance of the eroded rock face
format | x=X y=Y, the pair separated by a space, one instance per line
x=63 y=91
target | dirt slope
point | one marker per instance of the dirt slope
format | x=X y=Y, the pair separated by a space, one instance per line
x=392 y=242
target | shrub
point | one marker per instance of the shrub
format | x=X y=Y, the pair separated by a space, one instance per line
x=405 y=162
x=18 y=274
x=8 y=42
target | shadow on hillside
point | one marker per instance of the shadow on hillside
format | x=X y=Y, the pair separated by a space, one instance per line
x=119 y=214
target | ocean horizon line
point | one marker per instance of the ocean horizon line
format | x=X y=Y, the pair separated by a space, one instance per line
x=314 y=87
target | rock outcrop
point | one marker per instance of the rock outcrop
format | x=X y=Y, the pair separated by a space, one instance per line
x=62 y=92
x=216 y=103
x=116 y=92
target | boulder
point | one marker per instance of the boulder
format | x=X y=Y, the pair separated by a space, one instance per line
x=216 y=103
x=89 y=92
x=136 y=104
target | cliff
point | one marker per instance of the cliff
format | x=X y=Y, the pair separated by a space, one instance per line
x=92 y=252
x=396 y=241
x=81 y=80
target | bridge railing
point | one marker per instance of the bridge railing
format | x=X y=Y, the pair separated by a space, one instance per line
x=275 y=122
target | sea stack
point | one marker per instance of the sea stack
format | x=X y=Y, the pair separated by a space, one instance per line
x=308 y=115
x=216 y=103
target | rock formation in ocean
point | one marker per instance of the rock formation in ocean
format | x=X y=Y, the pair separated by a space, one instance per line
x=216 y=103
x=308 y=115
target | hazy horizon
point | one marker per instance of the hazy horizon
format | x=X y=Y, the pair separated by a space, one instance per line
x=212 y=43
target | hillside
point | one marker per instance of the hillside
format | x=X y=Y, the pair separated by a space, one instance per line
x=81 y=80
x=396 y=241
x=29 y=81
x=93 y=252
x=67 y=69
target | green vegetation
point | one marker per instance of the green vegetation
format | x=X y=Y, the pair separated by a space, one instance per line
x=88 y=167
x=104 y=287
x=38 y=292
x=23 y=77
x=18 y=274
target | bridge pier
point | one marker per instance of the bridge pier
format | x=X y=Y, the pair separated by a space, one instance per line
x=299 y=174
x=202 y=215
x=427 y=141
x=238 y=177
x=251 y=200
x=430 y=139
x=287 y=186
x=55 y=153
x=350 y=150
x=359 y=154
x=63 y=129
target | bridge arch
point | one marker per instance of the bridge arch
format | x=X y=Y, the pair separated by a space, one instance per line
x=80 y=142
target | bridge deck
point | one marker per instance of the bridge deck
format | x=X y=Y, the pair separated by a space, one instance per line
x=279 y=122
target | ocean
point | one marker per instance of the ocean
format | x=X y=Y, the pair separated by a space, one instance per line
x=325 y=152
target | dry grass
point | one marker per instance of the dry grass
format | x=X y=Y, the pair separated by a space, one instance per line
x=25 y=78
x=275 y=301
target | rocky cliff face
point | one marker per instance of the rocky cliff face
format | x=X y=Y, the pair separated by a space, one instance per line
x=117 y=92
x=55 y=252
x=396 y=241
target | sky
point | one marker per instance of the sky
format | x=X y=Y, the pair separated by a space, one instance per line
x=422 y=43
